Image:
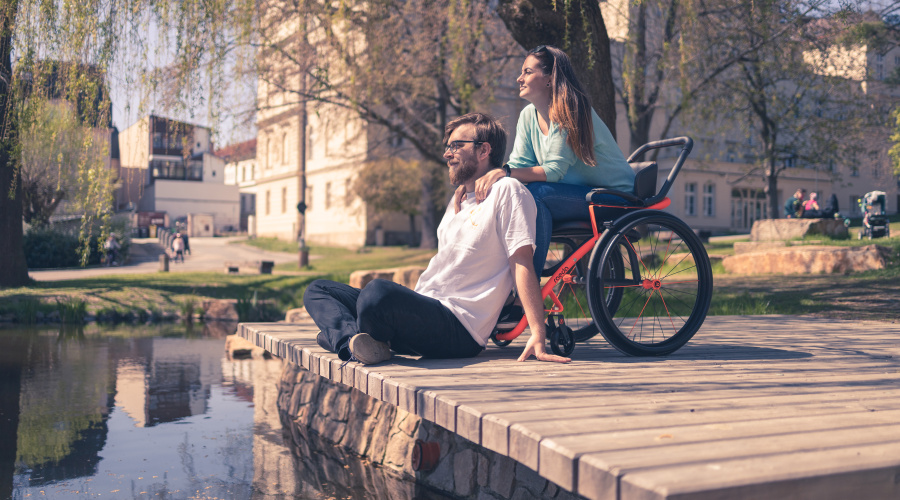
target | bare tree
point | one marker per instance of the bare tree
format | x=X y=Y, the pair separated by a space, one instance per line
x=797 y=100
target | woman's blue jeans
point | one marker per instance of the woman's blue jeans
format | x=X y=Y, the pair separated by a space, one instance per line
x=558 y=203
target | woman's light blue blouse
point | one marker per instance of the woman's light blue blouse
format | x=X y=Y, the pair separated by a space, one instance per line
x=559 y=160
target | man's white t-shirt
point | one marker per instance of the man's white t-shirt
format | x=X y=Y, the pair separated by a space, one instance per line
x=470 y=274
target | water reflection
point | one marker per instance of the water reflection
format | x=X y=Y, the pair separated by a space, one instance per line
x=156 y=412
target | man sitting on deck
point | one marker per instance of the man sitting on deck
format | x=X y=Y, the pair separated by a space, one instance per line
x=482 y=251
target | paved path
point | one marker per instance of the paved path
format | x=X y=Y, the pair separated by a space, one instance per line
x=753 y=407
x=207 y=254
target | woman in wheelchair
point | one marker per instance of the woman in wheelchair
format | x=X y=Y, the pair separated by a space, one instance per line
x=562 y=149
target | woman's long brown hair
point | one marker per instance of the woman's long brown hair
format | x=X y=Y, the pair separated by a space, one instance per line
x=570 y=106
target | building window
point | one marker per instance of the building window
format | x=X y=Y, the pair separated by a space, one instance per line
x=690 y=199
x=879 y=66
x=790 y=162
x=854 y=171
x=284 y=149
x=709 y=200
x=265 y=156
x=747 y=206
x=310 y=143
x=244 y=173
x=327 y=195
x=854 y=204
x=284 y=200
x=309 y=198
x=252 y=171
x=268 y=202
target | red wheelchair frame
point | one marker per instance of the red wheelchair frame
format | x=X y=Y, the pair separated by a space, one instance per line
x=616 y=264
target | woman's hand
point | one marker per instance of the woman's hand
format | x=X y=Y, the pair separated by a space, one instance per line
x=484 y=183
x=458 y=198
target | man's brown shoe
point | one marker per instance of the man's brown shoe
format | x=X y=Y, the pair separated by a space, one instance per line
x=367 y=350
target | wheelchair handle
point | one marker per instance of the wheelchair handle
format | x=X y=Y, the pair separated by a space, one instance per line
x=687 y=144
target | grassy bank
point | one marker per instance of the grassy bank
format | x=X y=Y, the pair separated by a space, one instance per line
x=869 y=295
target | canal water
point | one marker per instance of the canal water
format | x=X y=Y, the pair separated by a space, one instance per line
x=153 y=412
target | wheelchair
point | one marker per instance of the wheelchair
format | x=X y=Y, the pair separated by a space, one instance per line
x=643 y=281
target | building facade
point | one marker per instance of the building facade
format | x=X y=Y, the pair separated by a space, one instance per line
x=720 y=188
x=240 y=170
x=168 y=166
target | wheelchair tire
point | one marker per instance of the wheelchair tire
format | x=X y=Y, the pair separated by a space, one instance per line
x=666 y=284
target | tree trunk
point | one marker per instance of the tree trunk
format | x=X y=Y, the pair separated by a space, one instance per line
x=412 y=230
x=772 y=188
x=14 y=271
x=536 y=22
x=429 y=227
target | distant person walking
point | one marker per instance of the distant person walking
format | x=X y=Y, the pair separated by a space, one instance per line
x=187 y=243
x=178 y=247
x=112 y=250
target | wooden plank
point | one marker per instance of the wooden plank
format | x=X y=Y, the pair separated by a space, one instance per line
x=558 y=456
x=747 y=392
x=600 y=474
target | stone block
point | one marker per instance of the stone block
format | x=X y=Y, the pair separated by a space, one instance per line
x=399 y=452
x=222 y=310
x=809 y=260
x=502 y=475
x=757 y=246
x=529 y=479
x=409 y=424
x=359 y=279
x=408 y=276
x=296 y=315
x=789 y=229
x=484 y=468
x=237 y=347
x=464 y=462
x=340 y=408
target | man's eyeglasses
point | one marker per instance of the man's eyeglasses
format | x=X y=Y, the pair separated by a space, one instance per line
x=455 y=145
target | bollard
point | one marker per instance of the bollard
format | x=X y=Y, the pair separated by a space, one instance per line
x=164 y=263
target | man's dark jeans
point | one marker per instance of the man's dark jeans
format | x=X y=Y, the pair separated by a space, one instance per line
x=411 y=323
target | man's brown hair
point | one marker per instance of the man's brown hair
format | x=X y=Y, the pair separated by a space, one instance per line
x=487 y=129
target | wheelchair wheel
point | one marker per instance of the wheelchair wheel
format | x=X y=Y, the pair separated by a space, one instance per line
x=572 y=295
x=666 y=284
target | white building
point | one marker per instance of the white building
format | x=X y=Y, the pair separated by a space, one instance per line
x=168 y=167
x=240 y=170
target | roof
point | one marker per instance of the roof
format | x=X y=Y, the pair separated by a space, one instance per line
x=237 y=152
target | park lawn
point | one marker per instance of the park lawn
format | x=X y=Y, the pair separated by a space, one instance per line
x=871 y=295
x=340 y=262
x=161 y=294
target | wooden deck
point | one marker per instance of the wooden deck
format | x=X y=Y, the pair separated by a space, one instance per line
x=753 y=407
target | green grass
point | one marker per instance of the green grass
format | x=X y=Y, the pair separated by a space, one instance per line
x=154 y=295
x=340 y=262
x=269 y=244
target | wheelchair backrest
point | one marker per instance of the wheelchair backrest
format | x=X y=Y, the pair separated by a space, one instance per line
x=645 y=173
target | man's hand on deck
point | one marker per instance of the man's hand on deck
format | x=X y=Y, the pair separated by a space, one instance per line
x=536 y=346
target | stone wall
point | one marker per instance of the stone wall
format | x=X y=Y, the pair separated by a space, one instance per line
x=809 y=259
x=313 y=408
x=786 y=229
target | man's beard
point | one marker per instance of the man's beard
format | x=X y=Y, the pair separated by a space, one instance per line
x=464 y=172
